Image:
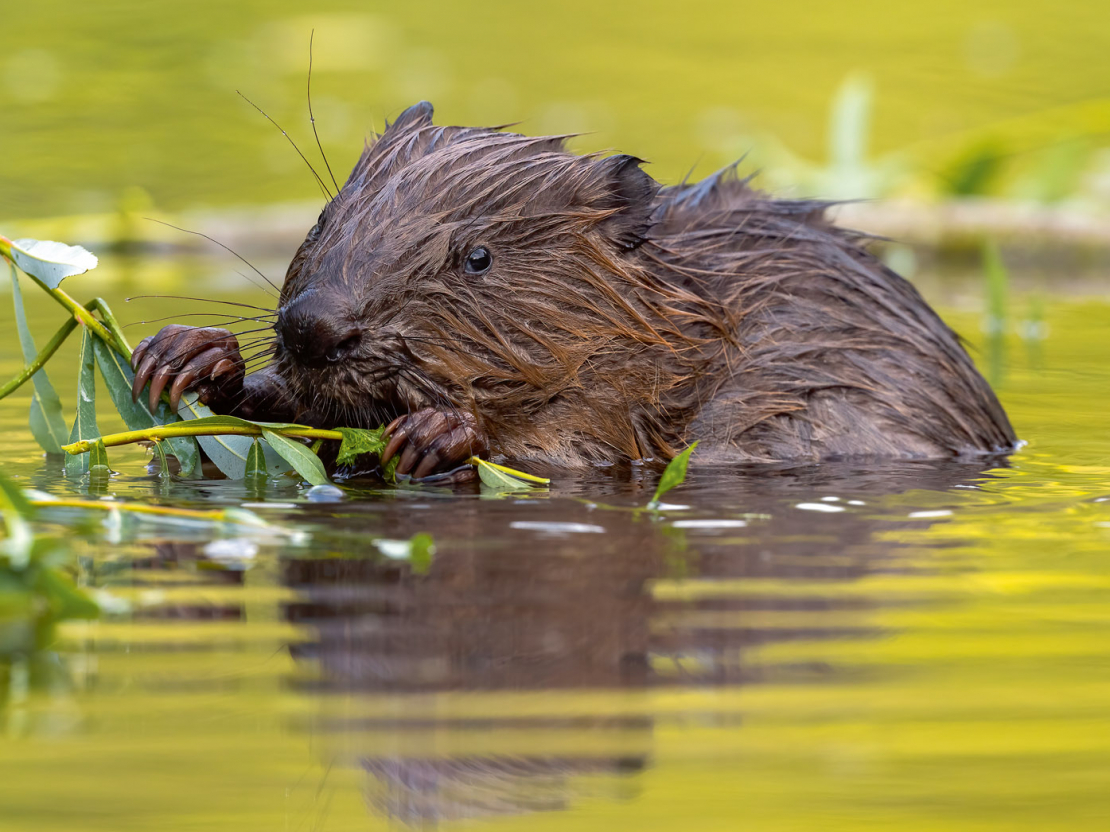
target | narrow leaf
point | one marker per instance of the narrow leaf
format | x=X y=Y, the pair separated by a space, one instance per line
x=48 y=425
x=51 y=262
x=98 y=459
x=16 y=512
x=306 y=463
x=163 y=464
x=497 y=476
x=118 y=377
x=674 y=474
x=228 y=453
x=84 y=423
x=256 y=461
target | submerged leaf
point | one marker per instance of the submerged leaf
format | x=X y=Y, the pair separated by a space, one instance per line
x=51 y=262
x=306 y=463
x=48 y=425
x=84 y=423
x=98 y=458
x=422 y=548
x=675 y=474
x=256 y=460
x=118 y=377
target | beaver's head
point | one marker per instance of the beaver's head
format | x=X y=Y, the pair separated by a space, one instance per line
x=469 y=268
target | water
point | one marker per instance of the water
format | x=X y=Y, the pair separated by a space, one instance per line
x=913 y=646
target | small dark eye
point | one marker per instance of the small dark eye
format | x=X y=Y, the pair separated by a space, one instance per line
x=479 y=261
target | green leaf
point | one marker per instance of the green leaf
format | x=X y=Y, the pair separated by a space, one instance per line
x=51 y=262
x=98 y=458
x=118 y=377
x=422 y=548
x=48 y=425
x=304 y=462
x=256 y=461
x=229 y=453
x=16 y=511
x=163 y=465
x=358 y=442
x=675 y=474
x=498 y=476
x=84 y=424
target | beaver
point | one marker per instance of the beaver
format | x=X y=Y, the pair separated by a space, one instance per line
x=493 y=292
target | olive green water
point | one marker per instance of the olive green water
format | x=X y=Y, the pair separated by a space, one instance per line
x=915 y=647
x=912 y=646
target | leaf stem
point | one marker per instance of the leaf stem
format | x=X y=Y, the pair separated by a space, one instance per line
x=40 y=359
x=188 y=429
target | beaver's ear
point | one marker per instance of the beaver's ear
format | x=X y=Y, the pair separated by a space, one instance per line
x=630 y=193
x=418 y=115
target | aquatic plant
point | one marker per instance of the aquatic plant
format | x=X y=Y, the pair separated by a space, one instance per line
x=239 y=448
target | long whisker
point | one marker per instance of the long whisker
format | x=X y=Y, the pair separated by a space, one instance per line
x=225 y=248
x=312 y=118
x=199 y=300
x=319 y=181
x=230 y=320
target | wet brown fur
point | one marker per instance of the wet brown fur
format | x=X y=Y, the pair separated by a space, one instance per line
x=620 y=319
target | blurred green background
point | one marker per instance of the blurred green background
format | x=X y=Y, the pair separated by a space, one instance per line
x=998 y=98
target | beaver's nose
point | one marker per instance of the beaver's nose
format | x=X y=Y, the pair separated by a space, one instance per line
x=315 y=337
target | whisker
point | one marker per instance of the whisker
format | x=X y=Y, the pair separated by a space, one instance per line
x=225 y=248
x=200 y=300
x=319 y=181
x=312 y=118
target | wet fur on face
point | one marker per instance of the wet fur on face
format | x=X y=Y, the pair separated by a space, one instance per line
x=619 y=319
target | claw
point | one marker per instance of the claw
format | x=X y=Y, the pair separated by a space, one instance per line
x=396 y=440
x=158 y=384
x=183 y=380
x=426 y=466
x=140 y=351
x=408 y=458
x=222 y=368
x=142 y=376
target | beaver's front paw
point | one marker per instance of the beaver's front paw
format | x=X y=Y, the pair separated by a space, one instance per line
x=204 y=359
x=432 y=441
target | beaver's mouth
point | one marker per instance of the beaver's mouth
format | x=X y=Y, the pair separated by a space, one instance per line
x=361 y=393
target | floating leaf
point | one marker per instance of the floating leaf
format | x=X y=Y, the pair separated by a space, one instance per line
x=48 y=425
x=51 y=262
x=256 y=461
x=358 y=442
x=118 y=378
x=499 y=476
x=84 y=423
x=675 y=474
x=306 y=463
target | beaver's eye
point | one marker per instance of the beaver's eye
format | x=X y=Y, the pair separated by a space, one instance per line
x=479 y=261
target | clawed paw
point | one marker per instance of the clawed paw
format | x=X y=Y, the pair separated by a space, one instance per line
x=203 y=359
x=433 y=442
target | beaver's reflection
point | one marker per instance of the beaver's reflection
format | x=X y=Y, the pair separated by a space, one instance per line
x=561 y=608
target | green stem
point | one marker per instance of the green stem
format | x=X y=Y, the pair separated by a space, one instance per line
x=113 y=326
x=137 y=508
x=43 y=356
x=188 y=429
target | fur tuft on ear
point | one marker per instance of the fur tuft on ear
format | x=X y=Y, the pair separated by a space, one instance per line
x=630 y=193
x=418 y=115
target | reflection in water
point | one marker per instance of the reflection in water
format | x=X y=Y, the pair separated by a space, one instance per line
x=562 y=610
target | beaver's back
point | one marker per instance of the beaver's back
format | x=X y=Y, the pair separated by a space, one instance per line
x=834 y=355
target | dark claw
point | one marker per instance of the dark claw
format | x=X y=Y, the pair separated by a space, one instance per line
x=183 y=380
x=427 y=465
x=158 y=384
x=140 y=351
x=408 y=458
x=142 y=376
